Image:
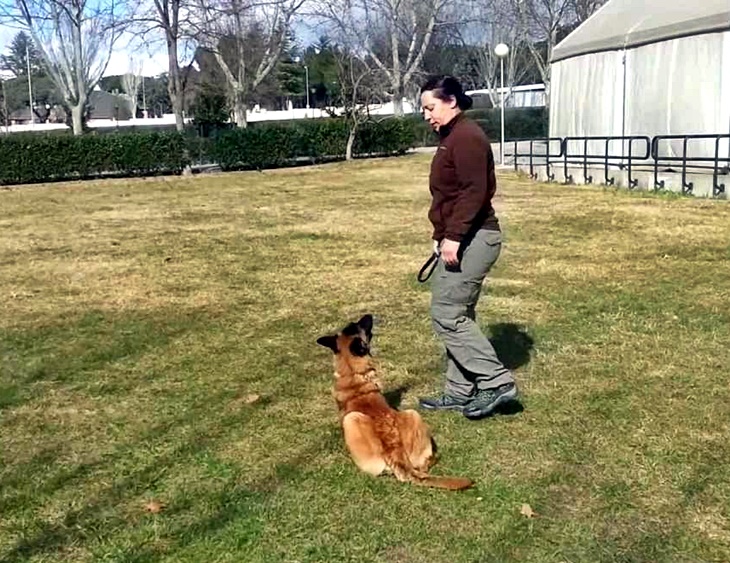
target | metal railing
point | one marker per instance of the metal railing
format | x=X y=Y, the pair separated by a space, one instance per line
x=704 y=161
x=630 y=156
x=546 y=142
x=606 y=157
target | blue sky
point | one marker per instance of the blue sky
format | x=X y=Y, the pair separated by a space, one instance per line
x=153 y=57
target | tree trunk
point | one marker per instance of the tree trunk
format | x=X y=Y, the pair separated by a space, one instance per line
x=177 y=109
x=398 y=105
x=351 y=141
x=398 y=92
x=239 y=109
x=174 y=84
x=77 y=118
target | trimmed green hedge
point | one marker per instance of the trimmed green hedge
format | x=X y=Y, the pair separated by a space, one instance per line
x=40 y=158
x=273 y=146
x=519 y=123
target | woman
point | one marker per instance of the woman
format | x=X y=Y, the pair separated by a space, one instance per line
x=467 y=236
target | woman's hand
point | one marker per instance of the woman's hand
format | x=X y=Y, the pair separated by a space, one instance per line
x=450 y=252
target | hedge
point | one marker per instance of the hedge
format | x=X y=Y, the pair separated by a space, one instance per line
x=273 y=146
x=519 y=123
x=39 y=158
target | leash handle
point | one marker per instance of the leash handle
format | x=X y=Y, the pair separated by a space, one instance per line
x=426 y=271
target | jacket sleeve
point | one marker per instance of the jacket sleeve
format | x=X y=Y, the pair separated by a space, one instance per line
x=470 y=156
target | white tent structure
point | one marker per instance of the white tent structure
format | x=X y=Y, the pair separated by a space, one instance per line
x=645 y=67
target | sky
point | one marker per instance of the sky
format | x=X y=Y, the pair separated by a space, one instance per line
x=153 y=58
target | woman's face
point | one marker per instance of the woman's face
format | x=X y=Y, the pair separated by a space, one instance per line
x=437 y=112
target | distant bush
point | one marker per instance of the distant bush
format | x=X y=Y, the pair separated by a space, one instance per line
x=519 y=123
x=275 y=145
x=28 y=158
x=39 y=158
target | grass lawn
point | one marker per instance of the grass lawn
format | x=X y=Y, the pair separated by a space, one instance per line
x=162 y=397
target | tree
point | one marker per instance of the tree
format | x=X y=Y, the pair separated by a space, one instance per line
x=542 y=23
x=390 y=35
x=320 y=58
x=171 y=17
x=45 y=95
x=247 y=40
x=157 y=95
x=210 y=109
x=75 y=39
x=21 y=49
x=584 y=9
x=130 y=84
x=491 y=22
x=358 y=89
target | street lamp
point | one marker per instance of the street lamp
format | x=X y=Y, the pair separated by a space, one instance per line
x=502 y=51
x=306 y=78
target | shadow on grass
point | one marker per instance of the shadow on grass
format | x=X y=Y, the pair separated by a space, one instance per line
x=65 y=351
x=101 y=516
x=512 y=343
x=394 y=397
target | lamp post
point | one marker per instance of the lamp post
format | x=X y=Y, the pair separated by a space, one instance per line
x=502 y=51
x=30 y=85
x=144 y=101
x=306 y=79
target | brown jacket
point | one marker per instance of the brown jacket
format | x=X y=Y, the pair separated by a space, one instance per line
x=462 y=182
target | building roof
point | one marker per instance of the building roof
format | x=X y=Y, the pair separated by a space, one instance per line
x=621 y=24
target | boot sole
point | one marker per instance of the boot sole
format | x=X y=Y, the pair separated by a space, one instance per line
x=459 y=408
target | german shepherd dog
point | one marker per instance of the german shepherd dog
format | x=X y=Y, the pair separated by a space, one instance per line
x=380 y=439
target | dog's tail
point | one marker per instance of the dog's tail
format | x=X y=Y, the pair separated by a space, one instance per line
x=404 y=471
x=450 y=483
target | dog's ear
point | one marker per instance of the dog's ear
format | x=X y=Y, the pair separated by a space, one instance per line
x=366 y=324
x=329 y=341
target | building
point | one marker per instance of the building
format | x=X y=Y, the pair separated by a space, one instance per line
x=102 y=106
x=527 y=96
x=646 y=67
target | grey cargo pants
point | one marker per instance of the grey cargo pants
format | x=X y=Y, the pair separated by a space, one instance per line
x=471 y=360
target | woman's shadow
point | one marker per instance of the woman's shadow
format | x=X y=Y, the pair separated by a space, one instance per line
x=513 y=346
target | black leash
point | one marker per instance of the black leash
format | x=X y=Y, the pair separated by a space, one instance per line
x=432 y=262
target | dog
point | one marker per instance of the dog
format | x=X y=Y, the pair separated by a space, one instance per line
x=380 y=439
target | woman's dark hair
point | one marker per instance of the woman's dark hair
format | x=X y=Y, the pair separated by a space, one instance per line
x=445 y=88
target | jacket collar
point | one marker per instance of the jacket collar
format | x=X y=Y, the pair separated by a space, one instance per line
x=445 y=130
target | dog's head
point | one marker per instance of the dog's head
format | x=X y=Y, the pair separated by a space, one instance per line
x=353 y=340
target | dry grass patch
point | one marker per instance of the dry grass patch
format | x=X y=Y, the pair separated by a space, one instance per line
x=157 y=345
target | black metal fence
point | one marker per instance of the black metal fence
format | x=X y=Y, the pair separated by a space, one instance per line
x=719 y=164
x=634 y=151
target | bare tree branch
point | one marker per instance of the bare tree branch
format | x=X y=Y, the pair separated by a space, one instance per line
x=246 y=38
x=75 y=39
x=378 y=30
x=130 y=84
